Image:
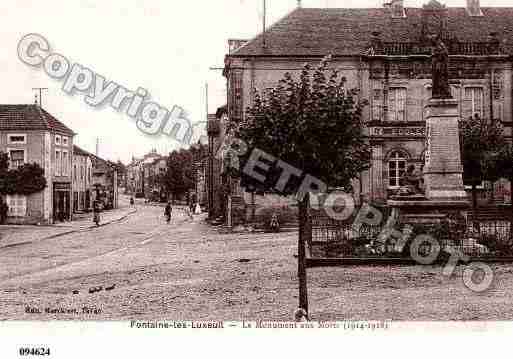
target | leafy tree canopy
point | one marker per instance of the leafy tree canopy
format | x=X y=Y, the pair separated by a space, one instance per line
x=179 y=176
x=25 y=180
x=313 y=123
x=481 y=142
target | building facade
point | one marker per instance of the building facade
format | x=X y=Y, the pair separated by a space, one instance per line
x=82 y=180
x=142 y=175
x=29 y=134
x=386 y=54
x=104 y=182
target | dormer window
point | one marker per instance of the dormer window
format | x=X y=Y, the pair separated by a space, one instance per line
x=16 y=139
x=474 y=8
x=397 y=8
x=57 y=140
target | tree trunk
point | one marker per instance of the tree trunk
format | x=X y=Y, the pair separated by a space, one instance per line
x=301 y=259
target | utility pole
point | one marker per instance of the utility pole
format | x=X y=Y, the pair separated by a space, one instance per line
x=264 y=18
x=40 y=89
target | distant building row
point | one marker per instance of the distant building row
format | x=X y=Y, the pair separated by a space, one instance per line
x=143 y=176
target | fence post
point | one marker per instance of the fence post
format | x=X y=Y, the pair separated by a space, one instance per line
x=304 y=231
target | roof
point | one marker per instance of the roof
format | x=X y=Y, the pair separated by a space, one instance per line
x=80 y=152
x=30 y=117
x=99 y=164
x=342 y=32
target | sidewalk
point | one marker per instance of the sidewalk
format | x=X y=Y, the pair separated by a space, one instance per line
x=11 y=236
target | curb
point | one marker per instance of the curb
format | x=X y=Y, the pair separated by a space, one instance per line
x=71 y=231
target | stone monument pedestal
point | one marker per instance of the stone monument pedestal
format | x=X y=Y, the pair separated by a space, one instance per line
x=443 y=172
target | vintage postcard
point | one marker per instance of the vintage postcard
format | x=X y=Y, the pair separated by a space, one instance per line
x=250 y=165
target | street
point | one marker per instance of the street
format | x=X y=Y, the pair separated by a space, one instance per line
x=148 y=269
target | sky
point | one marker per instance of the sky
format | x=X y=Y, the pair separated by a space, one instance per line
x=164 y=46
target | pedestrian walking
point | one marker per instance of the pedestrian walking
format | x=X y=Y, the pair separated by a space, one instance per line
x=167 y=212
x=96 y=212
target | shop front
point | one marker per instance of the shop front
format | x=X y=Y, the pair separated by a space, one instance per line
x=61 y=201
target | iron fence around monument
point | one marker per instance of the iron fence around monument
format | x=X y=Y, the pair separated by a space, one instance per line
x=475 y=235
x=341 y=238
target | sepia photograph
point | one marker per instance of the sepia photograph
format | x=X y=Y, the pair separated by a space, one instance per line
x=255 y=164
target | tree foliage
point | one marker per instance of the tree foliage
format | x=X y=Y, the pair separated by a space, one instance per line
x=179 y=176
x=24 y=180
x=481 y=141
x=481 y=144
x=505 y=161
x=313 y=123
x=4 y=165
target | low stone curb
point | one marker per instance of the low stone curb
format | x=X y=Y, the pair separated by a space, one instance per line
x=72 y=231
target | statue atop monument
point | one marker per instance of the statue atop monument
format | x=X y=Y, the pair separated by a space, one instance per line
x=440 y=70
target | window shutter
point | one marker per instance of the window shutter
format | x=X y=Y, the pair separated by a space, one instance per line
x=466 y=104
x=377 y=105
x=391 y=105
x=22 y=206
x=401 y=104
x=478 y=101
x=11 y=203
x=236 y=95
x=497 y=111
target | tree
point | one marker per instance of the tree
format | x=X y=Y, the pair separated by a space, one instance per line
x=179 y=176
x=25 y=180
x=4 y=166
x=314 y=124
x=481 y=143
x=505 y=165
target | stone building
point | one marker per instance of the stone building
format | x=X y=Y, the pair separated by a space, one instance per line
x=385 y=52
x=142 y=175
x=82 y=180
x=133 y=176
x=104 y=182
x=29 y=134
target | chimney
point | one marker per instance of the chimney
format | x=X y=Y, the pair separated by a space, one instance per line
x=474 y=8
x=235 y=44
x=396 y=8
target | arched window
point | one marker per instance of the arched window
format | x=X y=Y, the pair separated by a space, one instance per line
x=396 y=168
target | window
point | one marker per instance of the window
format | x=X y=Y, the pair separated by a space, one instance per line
x=64 y=141
x=16 y=158
x=57 y=162
x=75 y=172
x=65 y=163
x=57 y=140
x=377 y=104
x=474 y=101
x=397 y=104
x=17 y=205
x=82 y=172
x=396 y=169
x=17 y=139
